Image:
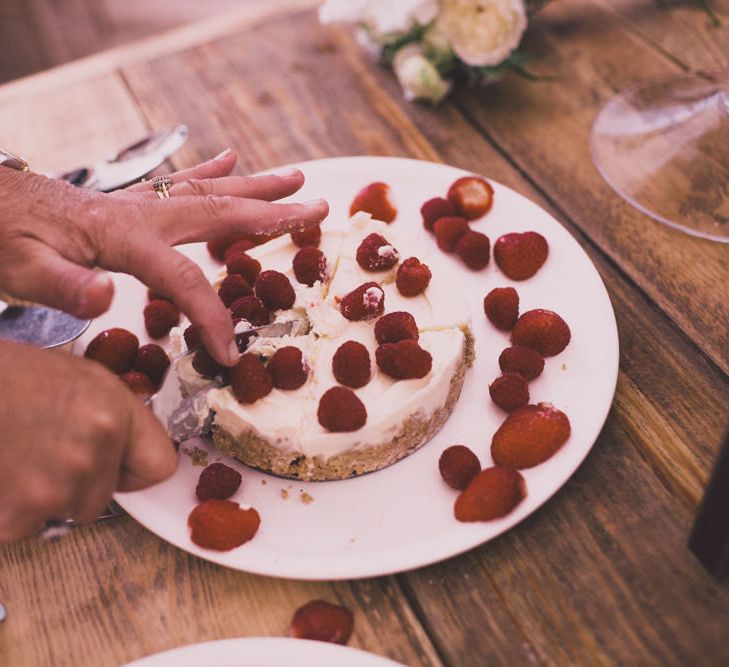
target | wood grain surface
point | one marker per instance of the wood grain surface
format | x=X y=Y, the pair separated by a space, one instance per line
x=601 y=574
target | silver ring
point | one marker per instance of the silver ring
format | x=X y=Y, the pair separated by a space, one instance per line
x=162 y=186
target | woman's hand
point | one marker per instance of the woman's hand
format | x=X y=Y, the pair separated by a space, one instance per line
x=52 y=235
x=71 y=433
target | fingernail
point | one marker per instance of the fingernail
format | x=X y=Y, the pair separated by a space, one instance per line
x=233 y=353
x=99 y=281
x=223 y=155
x=315 y=203
x=286 y=173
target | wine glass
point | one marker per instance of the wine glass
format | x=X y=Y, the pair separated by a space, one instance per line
x=663 y=145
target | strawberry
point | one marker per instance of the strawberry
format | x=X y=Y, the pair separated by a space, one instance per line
x=322 y=621
x=412 y=277
x=250 y=309
x=473 y=248
x=242 y=264
x=363 y=303
x=240 y=245
x=310 y=265
x=232 y=288
x=153 y=361
x=288 y=368
x=471 y=196
x=396 y=326
x=114 y=348
x=205 y=365
x=341 y=411
x=376 y=253
x=222 y=524
x=307 y=238
x=542 y=330
x=159 y=317
x=509 y=391
x=192 y=337
x=448 y=231
x=217 y=481
x=520 y=256
x=249 y=379
x=351 y=364
x=138 y=382
x=375 y=200
x=501 y=306
x=491 y=494
x=404 y=360
x=274 y=290
x=529 y=436
x=523 y=360
x=436 y=208
x=458 y=465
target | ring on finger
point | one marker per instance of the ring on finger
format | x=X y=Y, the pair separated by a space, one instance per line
x=162 y=186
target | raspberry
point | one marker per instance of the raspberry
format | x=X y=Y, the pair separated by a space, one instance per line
x=448 y=231
x=458 y=465
x=242 y=264
x=310 y=265
x=205 y=365
x=340 y=411
x=375 y=253
x=241 y=245
x=436 y=208
x=250 y=309
x=396 y=326
x=471 y=196
x=152 y=295
x=192 y=337
x=491 y=494
x=473 y=248
x=322 y=621
x=249 y=379
x=404 y=360
x=222 y=524
x=351 y=365
x=542 y=330
x=501 y=306
x=412 y=277
x=153 y=361
x=523 y=360
x=233 y=288
x=307 y=238
x=159 y=317
x=520 y=256
x=114 y=348
x=363 y=303
x=509 y=391
x=274 y=290
x=217 y=247
x=217 y=481
x=138 y=382
x=287 y=368
x=375 y=200
x=529 y=436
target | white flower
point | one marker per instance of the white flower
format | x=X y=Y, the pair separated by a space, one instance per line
x=384 y=18
x=482 y=32
x=419 y=78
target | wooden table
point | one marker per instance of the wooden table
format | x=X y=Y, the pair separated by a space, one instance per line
x=601 y=574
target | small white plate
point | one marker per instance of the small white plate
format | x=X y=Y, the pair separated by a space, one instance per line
x=402 y=517
x=264 y=652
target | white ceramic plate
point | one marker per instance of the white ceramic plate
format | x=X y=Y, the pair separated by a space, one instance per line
x=264 y=652
x=402 y=517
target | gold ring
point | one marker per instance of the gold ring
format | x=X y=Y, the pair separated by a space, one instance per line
x=162 y=185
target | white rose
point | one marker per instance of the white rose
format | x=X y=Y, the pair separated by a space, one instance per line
x=418 y=77
x=391 y=17
x=482 y=32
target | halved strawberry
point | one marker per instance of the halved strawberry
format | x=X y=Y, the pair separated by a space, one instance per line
x=375 y=200
x=472 y=196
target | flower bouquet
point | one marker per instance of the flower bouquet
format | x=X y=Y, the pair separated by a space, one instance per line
x=432 y=43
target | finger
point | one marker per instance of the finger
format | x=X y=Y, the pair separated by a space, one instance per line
x=191 y=219
x=96 y=486
x=168 y=272
x=268 y=187
x=149 y=457
x=220 y=165
x=46 y=277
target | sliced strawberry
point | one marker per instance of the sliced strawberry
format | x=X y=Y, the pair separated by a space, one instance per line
x=222 y=525
x=491 y=494
x=114 y=348
x=471 y=196
x=375 y=200
x=520 y=256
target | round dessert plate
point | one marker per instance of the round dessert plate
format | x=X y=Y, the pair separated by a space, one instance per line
x=264 y=652
x=401 y=517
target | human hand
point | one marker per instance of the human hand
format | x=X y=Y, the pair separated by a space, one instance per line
x=64 y=450
x=53 y=234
